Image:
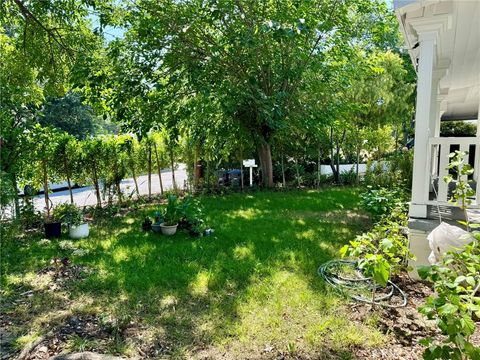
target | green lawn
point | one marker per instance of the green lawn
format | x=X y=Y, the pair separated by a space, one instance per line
x=249 y=291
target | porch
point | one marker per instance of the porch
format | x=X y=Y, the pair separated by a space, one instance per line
x=443 y=41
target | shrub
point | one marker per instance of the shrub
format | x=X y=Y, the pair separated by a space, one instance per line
x=456 y=283
x=348 y=177
x=396 y=172
x=382 y=201
x=68 y=214
x=171 y=214
x=383 y=251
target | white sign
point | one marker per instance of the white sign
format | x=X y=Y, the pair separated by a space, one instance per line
x=249 y=163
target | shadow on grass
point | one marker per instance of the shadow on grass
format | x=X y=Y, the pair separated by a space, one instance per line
x=194 y=291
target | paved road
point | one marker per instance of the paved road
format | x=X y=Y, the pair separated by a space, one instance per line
x=86 y=195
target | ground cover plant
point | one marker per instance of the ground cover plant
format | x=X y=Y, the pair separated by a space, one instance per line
x=249 y=290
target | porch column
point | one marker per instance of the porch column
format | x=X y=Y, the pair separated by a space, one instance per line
x=434 y=125
x=424 y=113
x=476 y=173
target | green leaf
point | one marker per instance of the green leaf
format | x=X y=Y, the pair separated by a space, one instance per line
x=424 y=271
x=447 y=309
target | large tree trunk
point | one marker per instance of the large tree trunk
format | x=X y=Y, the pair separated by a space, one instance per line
x=265 y=155
x=158 y=168
x=284 y=183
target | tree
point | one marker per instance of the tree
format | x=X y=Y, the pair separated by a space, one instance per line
x=41 y=167
x=40 y=42
x=66 y=154
x=253 y=58
x=93 y=163
x=69 y=114
x=458 y=128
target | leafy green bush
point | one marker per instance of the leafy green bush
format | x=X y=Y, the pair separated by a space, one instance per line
x=383 y=251
x=68 y=214
x=382 y=201
x=456 y=282
x=186 y=212
x=395 y=172
x=457 y=300
x=348 y=177
x=171 y=213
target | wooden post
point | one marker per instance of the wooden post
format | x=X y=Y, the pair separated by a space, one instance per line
x=425 y=91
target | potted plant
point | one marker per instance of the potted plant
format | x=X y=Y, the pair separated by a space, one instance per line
x=71 y=215
x=53 y=227
x=170 y=217
x=147 y=224
x=156 y=226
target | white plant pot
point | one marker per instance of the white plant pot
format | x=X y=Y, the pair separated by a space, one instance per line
x=168 y=229
x=79 y=232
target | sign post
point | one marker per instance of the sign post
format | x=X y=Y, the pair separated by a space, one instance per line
x=250 y=163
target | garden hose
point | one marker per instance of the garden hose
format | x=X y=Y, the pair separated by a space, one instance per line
x=356 y=283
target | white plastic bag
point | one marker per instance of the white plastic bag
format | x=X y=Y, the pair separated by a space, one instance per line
x=446 y=237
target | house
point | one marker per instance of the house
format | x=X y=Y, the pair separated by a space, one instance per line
x=443 y=40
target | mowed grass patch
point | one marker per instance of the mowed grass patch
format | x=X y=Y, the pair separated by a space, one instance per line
x=249 y=290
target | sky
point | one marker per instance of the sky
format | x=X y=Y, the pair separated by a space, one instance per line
x=112 y=33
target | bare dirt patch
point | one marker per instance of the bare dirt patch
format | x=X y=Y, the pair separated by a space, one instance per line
x=405 y=326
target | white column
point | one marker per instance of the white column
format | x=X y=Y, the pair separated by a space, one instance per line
x=476 y=174
x=423 y=114
x=434 y=126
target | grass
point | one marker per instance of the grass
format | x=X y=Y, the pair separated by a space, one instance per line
x=249 y=290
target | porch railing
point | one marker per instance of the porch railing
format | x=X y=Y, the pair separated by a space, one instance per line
x=440 y=148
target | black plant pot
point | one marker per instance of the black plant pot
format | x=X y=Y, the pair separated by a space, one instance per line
x=147 y=225
x=53 y=230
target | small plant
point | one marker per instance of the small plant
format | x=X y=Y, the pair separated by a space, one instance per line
x=383 y=251
x=172 y=215
x=462 y=191
x=382 y=201
x=456 y=282
x=68 y=214
x=348 y=177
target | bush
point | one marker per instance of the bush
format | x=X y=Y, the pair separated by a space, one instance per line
x=383 y=251
x=456 y=302
x=382 y=201
x=456 y=283
x=68 y=214
x=348 y=177
x=395 y=172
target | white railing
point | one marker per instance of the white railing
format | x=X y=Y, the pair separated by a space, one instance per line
x=439 y=149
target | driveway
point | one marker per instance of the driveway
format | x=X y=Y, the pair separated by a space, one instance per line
x=86 y=195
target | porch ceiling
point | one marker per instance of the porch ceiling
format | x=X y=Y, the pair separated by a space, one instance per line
x=458 y=49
